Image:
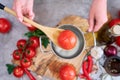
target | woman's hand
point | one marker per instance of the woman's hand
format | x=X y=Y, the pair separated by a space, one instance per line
x=23 y=8
x=97 y=15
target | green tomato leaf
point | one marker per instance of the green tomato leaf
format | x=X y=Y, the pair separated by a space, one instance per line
x=38 y=33
x=45 y=41
x=10 y=68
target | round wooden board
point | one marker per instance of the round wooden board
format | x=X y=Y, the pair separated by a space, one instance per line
x=48 y=64
x=51 y=64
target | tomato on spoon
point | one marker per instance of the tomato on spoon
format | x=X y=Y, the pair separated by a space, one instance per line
x=67 y=39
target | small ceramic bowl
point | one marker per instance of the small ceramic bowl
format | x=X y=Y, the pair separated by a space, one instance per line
x=68 y=54
x=112 y=65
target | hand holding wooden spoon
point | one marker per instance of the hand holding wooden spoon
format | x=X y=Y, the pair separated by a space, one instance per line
x=52 y=33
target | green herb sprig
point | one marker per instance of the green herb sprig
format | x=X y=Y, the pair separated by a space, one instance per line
x=38 y=33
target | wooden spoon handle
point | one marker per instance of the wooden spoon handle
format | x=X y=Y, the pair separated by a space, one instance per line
x=8 y=10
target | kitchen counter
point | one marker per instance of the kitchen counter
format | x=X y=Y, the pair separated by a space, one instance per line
x=49 y=13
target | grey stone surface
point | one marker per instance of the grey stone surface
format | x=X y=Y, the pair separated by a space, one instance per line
x=49 y=13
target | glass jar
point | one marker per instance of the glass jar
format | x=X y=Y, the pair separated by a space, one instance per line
x=104 y=36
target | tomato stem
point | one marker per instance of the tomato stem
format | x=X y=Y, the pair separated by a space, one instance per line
x=29 y=74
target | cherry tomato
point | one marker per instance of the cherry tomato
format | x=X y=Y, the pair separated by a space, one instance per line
x=117 y=41
x=34 y=42
x=25 y=62
x=67 y=39
x=67 y=72
x=31 y=28
x=17 y=54
x=30 y=52
x=18 y=72
x=5 y=25
x=21 y=44
x=114 y=22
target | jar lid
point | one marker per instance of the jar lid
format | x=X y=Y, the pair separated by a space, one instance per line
x=115 y=30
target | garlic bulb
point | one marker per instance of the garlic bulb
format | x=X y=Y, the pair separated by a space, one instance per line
x=96 y=52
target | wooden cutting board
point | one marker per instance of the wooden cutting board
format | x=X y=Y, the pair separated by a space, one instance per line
x=48 y=64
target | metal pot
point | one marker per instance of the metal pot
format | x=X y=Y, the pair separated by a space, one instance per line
x=77 y=50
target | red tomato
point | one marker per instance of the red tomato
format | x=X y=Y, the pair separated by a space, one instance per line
x=32 y=28
x=114 y=22
x=5 y=25
x=17 y=54
x=21 y=44
x=34 y=42
x=67 y=39
x=117 y=41
x=18 y=72
x=67 y=72
x=30 y=52
x=25 y=62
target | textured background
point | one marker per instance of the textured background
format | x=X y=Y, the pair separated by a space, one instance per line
x=49 y=13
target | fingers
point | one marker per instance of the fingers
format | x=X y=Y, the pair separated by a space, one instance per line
x=31 y=15
x=94 y=26
x=20 y=13
x=28 y=14
x=96 y=23
x=23 y=9
x=18 y=9
x=91 y=22
x=97 y=26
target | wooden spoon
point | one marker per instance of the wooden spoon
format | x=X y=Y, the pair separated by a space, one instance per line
x=52 y=33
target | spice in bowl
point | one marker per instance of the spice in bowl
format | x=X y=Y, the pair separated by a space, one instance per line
x=112 y=65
